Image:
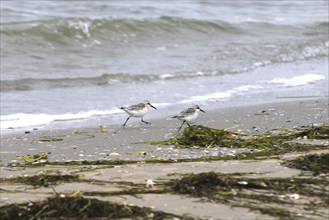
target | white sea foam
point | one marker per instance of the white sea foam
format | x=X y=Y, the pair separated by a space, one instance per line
x=222 y=95
x=166 y=76
x=22 y=120
x=297 y=80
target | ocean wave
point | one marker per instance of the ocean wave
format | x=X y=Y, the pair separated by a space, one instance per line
x=164 y=48
x=26 y=84
x=63 y=36
x=50 y=83
x=108 y=79
x=297 y=80
x=58 y=29
x=63 y=30
x=22 y=120
x=222 y=95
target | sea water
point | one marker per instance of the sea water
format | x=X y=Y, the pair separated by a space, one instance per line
x=79 y=61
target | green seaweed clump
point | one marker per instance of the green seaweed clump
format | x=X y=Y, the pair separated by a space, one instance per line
x=203 y=184
x=43 y=180
x=314 y=132
x=203 y=137
x=33 y=158
x=200 y=136
x=274 y=196
x=317 y=163
x=78 y=208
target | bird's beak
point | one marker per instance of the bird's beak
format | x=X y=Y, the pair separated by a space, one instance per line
x=153 y=106
x=202 y=110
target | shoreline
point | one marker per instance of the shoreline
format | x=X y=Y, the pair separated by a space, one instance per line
x=114 y=117
x=114 y=143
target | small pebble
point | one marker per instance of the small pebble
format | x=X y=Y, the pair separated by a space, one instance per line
x=294 y=196
x=243 y=183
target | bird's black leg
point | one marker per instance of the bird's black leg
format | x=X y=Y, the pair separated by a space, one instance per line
x=188 y=124
x=125 y=122
x=145 y=121
x=181 y=126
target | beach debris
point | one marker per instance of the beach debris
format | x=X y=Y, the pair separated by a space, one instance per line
x=149 y=183
x=40 y=156
x=142 y=153
x=62 y=195
x=114 y=154
x=55 y=138
x=243 y=183
x=104 y=130
x=13 y=163
x=263 y=184
x=44 y=139
x=263 y=112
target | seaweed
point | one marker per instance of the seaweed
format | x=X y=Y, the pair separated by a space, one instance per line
x=273 y=152
x=313 y=132
x=317 y=163
x=61 y=137
x=79 y=208
x=254 y=193
x=203 y=184
x=41 y=156
x=265 y=145
x=42 y=180
x=206 y=137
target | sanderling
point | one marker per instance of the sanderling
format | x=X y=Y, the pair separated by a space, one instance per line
x=138 y=110
x=189 y=114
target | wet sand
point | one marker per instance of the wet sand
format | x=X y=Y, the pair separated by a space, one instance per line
x=125 y=144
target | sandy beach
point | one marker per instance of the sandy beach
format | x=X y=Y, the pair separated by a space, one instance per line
x=144 y=184
x=125 y=144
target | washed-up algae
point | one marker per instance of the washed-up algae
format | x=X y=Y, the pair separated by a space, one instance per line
x=269 y=196
x=273 y=143
x=206 y=137
x=42 y=180
x=273 y=196
x=30 y=159
x=317 y=163
x=79 y=208
x=206 y=184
